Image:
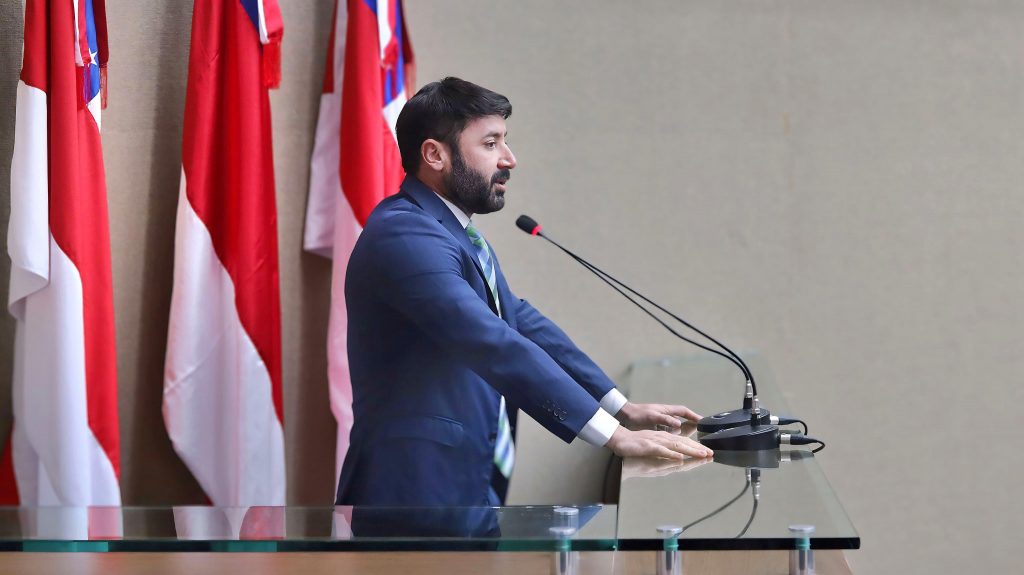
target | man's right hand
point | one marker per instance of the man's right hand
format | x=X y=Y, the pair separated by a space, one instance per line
x=647 y=443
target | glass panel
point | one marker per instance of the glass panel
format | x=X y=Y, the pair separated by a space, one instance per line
x=738 y=501
x=197 y=528
x=741 y=500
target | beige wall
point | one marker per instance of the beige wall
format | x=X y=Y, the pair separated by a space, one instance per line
x=835 y=185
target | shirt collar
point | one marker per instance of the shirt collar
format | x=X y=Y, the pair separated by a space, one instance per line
x=459 y=214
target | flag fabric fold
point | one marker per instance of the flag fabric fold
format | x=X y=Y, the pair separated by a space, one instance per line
x=65 y=445
x=355 y=161
x=397 y=70
x=222 y=397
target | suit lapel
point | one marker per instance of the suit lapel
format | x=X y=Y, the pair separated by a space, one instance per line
x=428 y=200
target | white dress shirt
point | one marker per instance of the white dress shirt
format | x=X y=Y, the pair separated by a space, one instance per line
x=603 y=424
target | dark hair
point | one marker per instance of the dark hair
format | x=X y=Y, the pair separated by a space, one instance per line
x=440 y=111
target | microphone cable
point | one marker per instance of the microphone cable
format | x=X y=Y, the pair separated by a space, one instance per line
x=783 y=420
x=754 y=478
x=720 y=509
x=753 y=513
x=797 y=439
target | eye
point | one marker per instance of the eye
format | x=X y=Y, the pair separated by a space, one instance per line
x=490 y=145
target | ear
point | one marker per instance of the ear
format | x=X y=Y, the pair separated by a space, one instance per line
x=434 y=154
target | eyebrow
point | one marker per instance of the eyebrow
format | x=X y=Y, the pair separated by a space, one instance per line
x=496 y=134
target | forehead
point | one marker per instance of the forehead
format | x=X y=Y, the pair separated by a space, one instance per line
x=482 y=127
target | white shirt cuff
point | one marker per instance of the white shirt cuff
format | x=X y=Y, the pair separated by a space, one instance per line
x=613 y=401
x=599 y=429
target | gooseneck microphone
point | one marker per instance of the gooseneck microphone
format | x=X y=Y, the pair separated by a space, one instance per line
x=530 y=226
x=751 y=428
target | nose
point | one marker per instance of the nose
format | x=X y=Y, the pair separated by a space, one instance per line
x=508 y=160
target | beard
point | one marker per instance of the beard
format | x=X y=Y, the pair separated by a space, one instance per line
x=472 y=191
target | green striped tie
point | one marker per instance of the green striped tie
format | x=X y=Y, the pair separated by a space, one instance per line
x=483 y=255
x=504 y=450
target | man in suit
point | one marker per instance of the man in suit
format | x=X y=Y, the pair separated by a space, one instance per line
x=441 y=351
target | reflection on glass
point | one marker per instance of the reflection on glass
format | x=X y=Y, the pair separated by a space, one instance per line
x=448 y=522
x=257 y=528
x=196 y=523
x=66 y=523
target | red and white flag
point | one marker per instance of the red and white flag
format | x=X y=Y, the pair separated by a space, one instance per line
x=222 y=378
x=355 y=161
x=65 y=445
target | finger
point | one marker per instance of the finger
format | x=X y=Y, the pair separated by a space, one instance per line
x=674 y=442
x=662 y=451
x=683 y=411
x=691 y=447
x=669 y=421
x=697 y=450
x=698 y=445
x=677 y=431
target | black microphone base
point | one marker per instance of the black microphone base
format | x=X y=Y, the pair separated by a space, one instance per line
x=763 y=459
x=748 y=438
x=730 y=419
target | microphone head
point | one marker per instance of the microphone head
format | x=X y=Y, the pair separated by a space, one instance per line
x=528 y=225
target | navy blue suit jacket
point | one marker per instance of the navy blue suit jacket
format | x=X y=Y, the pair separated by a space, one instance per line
x=429 y=356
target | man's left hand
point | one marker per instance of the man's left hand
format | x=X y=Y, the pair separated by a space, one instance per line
x=648 y=415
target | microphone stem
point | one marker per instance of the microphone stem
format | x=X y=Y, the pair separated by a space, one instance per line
x=654 y=317
x=608 y=279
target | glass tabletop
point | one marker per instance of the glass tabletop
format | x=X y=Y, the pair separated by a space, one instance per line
x=199 y=528
x=740 y=500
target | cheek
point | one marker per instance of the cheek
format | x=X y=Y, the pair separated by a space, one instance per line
x=484 y=164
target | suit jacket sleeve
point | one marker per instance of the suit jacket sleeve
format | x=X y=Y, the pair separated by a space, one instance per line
x=418 y=268
x=542 y=331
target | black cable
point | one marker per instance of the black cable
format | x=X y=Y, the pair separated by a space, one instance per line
x=789 y=420
x=753 y=512
x=720 y=509
x=795 y=439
